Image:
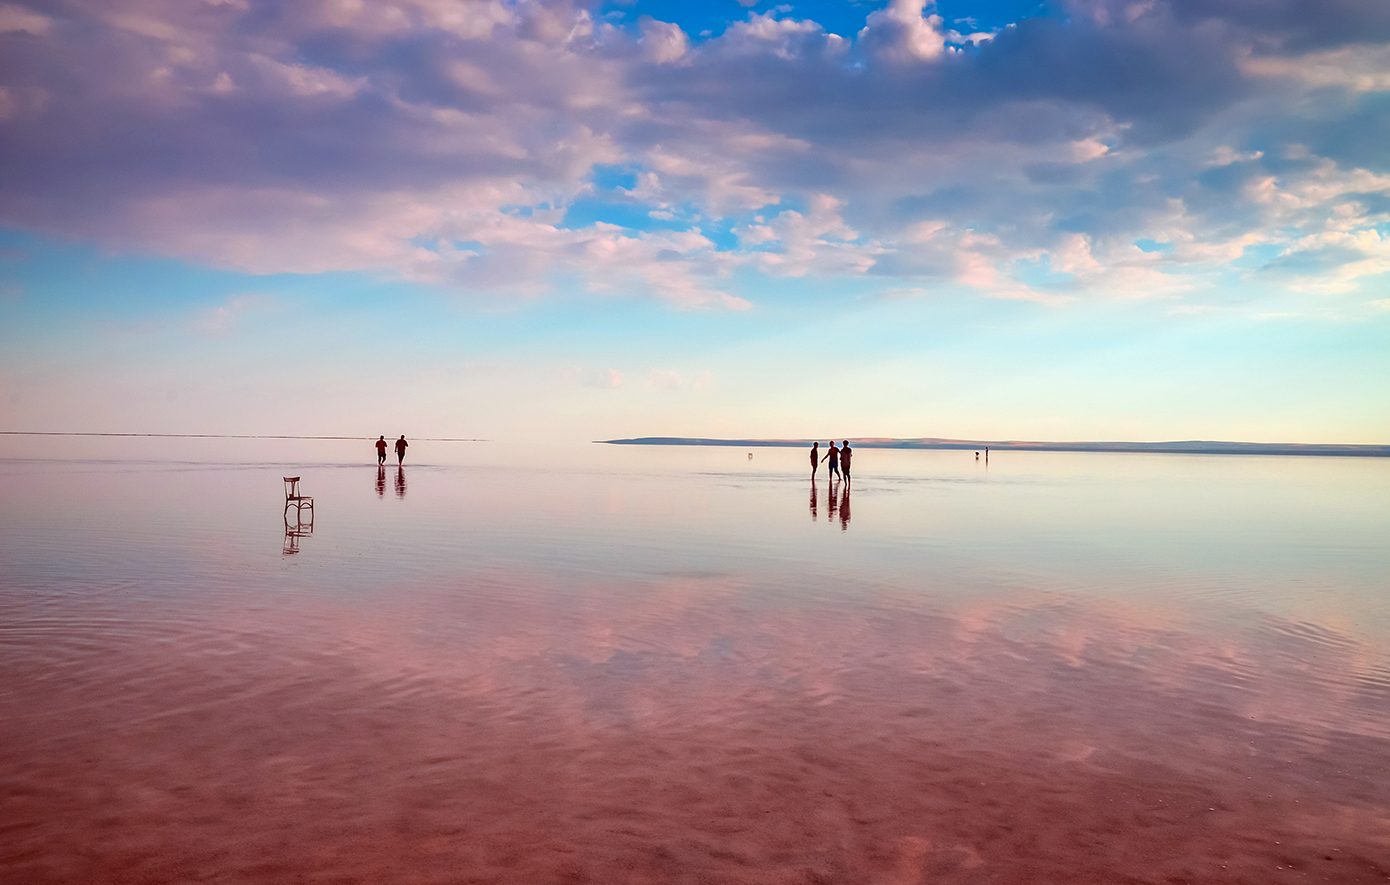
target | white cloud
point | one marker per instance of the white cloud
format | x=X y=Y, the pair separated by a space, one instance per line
x=1359 y=68
x=900 y=33
x=817 y=241
x=1333 y=261
x=15 y=19
x=767 y=27
x=663 y=42
x=470 y=19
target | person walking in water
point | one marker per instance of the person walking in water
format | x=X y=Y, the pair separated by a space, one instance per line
x=400 y=449
x=381 y=449
x=845 y=454
x=833 y=456
x=815 y=459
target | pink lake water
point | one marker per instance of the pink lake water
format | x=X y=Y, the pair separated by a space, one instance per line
x=649 y=665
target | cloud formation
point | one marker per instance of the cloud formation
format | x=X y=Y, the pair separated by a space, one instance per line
x=1126 y=149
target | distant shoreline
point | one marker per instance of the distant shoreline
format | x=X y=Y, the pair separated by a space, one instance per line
x=1185 y=447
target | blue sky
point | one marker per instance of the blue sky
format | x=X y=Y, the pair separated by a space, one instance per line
x=843 y=17
x=1081 y=220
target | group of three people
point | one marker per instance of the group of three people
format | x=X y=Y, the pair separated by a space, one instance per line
x=839 y=459
x=400 y=450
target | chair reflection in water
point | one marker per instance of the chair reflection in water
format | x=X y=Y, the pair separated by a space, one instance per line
x=297 y=527
x=295 y=530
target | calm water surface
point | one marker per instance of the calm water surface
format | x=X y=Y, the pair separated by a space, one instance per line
x=614 y=664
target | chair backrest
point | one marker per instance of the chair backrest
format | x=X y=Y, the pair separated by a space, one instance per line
x=291 y=487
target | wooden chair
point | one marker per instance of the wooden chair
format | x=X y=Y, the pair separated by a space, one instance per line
x=296 y=500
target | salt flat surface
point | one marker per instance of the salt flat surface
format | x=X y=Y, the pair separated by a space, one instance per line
x=620 y=664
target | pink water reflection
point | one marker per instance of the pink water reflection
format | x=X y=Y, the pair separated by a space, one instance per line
x=568 y=699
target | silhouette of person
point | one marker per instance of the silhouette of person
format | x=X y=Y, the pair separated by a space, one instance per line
x=381 y=478
x=400 y=482
x=845 y=454
x=815 y=459
x=400 y=449
x=813 y=498
x=381 y=450
x=833 y=456
x=977 y=456
x=844 y=509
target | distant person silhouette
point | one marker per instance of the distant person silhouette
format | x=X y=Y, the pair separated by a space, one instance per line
x=833 y=456
x=815 y=459
x=381 y=478
x=381 y=450
x=845 y=454
x=400 y=449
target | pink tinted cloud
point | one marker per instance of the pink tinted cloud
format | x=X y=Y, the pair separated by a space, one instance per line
x=444 y=141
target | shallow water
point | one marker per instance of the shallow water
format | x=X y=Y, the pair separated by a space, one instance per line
x=619 y=664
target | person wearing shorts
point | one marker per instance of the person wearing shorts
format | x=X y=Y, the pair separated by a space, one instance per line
x=400 y=449
x=381 y=450
x=833 y=456
x=845 y=454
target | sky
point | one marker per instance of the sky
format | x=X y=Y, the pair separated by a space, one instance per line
x=1066 y=220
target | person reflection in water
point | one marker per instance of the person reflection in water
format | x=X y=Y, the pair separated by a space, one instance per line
x=400 y=482
x=844 y=507
x=381 y=449
x=831 y=503
x=381 y=479
x=845 y=454
x=833 y=456
x=815 y=459
x=813 y=498
x=400 y=449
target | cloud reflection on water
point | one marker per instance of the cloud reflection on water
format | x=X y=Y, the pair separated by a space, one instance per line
x=656 y=676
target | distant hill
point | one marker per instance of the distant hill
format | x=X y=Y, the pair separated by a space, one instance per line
x=1185 y=447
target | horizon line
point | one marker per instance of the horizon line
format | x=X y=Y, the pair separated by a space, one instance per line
x=1174 y=447
x=221 y=435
